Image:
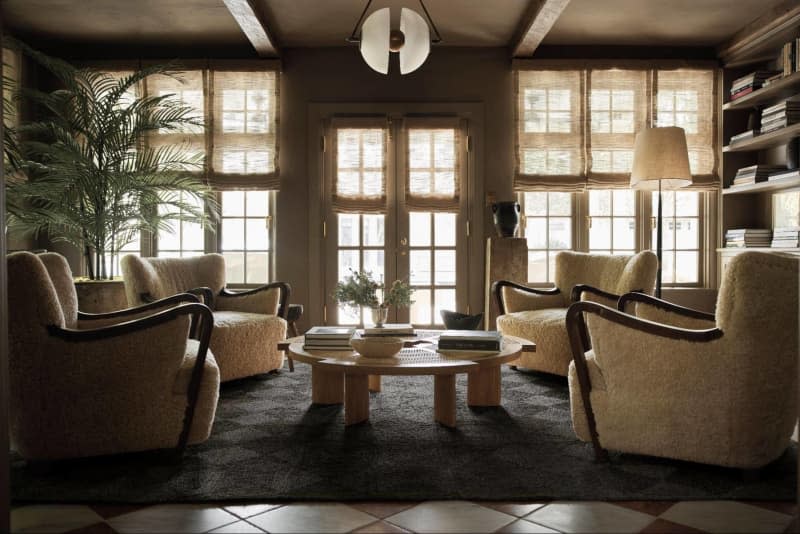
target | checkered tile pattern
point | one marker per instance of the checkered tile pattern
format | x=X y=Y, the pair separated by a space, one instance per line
x=430 y=516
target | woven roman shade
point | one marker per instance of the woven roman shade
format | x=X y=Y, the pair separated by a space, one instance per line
x=360 y=153
x=186 y=86
x=551 y=144
x=618 y=107
x=434 y=153
x=243 y=118
x=687 y=98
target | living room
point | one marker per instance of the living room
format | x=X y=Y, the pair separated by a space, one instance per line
x=599 y=191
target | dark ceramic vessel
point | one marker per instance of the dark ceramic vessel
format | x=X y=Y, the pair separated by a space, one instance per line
x=506 y=218
x=461 y=321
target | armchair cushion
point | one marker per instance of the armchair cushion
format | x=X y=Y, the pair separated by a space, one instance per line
x=547 y=328
x=261 y=302
x=516 y=300
x=247 y=342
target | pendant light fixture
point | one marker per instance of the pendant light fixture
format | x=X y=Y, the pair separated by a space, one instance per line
x=412 y=40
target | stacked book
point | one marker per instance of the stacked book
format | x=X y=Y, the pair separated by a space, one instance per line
x=773 y=79
x=390 y=329
x=328 y=338
x=470 y=340
x=786 y=237
x=755 y=173
x=748 y=238
x=780 y=115
x=749 y=134
x=790 y=57
x=749 y=83
x=784 y=174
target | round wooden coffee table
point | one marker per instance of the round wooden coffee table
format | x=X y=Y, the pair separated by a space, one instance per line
x=346 y=377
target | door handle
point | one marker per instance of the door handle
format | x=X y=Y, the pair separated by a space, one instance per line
x=404 y=241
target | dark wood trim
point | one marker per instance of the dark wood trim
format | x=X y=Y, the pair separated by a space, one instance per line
x=497 y=290
x=152 y=305
x=663 y=305
x=285 y=292
x=578 y=333
x=205 y=293
x=580 y=289
x=5 y=480
x=201 y=315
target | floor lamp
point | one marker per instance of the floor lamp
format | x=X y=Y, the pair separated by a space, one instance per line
x=660 y=161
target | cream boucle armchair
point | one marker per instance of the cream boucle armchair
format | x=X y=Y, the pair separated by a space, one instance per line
x=94 y=384
x=691 y=386
x=540 y=315
x=247 y=325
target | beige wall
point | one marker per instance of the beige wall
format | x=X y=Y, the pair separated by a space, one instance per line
x=339 y=75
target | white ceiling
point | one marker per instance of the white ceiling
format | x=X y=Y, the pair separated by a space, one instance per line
x=311 y=23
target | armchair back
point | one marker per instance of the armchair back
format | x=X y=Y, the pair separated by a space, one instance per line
x=163 y=277
x=610 y=273
x=33 y=302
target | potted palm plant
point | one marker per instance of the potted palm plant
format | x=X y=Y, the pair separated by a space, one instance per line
x=86 y=174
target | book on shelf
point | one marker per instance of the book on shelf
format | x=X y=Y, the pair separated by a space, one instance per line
x=748 y=237
x=749 y=78
x=777 y=125
x=772 y=79
x=785 y=243
x=783 y=114
x=788 y=104
x=785 y=174
x=743 y=92
x=786 y=231
x=789 y=57
x=390 y=329
x=755 y=173
x=749 y=134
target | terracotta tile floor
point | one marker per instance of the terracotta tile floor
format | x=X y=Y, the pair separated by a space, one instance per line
x=429 y=516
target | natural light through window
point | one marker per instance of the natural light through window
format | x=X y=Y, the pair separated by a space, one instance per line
x=246 y=241
x=612 y=221
x=548 y=229
x=681 y=231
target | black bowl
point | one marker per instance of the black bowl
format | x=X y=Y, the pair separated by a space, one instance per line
x=461 y=321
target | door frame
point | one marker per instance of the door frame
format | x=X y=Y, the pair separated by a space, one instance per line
x=318 y=112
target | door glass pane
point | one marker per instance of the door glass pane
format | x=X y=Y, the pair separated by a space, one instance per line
x=419 y=228
x=421 y=309
x=373 y=263
x=560 y=233
x=234 y=265
x=233 y=234
x=348 y=260
x=686 y=234
x=600 y=234
x=445 y=265
x=373 y=230
x=536 y=232
x=537 y=265
x=599 y=203
x=560 y=203
x=257 y=203
x=233 y=203
x=444 y=228
x=536 y=203
x=624 y=202
x=420 y=267
x=257 y=268
x=257 y=234
x=686 y=266
x=624 y=233
x=444 y=299
x=348 y=230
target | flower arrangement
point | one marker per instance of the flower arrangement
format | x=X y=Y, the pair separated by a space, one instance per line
x=360 y=289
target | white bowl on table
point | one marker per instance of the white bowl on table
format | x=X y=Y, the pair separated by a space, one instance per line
x=377 y=347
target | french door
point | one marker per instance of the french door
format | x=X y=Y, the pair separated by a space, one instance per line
x=396 y=206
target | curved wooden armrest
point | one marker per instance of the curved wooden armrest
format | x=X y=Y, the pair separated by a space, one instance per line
x=152 y=305
x=579 y=289
x=663 y=305
x=195 y=309
x=579 y=342
x=497 y=289
x=205 y=293
x=285 y=291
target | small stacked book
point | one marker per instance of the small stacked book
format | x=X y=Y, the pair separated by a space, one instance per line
x=390 y=329
x=749 y=83
x=477 y=340
x=755 y=173
x=748 y=238
x=780 y=115
x=749 y=134
x=328 y=338
x=786 y=237
x=784 y=174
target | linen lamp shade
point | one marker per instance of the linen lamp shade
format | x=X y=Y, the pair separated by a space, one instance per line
x=660 y=156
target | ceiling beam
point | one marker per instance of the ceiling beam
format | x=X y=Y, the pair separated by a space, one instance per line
x=758 y=38
x=536 y=23
x=252 y=22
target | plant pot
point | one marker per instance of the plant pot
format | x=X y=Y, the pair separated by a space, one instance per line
x=506 y=218
x=101 y=296
x=379 y=315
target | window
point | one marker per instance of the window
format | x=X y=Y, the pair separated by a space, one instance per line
x=548 y=229
x=360 y=247
x=245 y=236
x=576 y=130
x=182 y=238
x=432 y=265
x=612 y=221
x=681 y=235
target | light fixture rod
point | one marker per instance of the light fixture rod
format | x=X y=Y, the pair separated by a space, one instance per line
x=353 y=38
x=438 y=38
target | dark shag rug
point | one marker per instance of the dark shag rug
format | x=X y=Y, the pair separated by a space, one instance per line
x=269 y=443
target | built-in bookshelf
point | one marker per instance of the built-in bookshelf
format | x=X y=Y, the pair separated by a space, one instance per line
x=763 y=203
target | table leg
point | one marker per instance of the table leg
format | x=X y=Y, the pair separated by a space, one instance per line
x=375 y=383
x=326 y=387
x=483 y=387
x=356 y=399
x=444 y=399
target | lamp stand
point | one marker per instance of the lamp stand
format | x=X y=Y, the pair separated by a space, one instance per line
x=659 y=232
